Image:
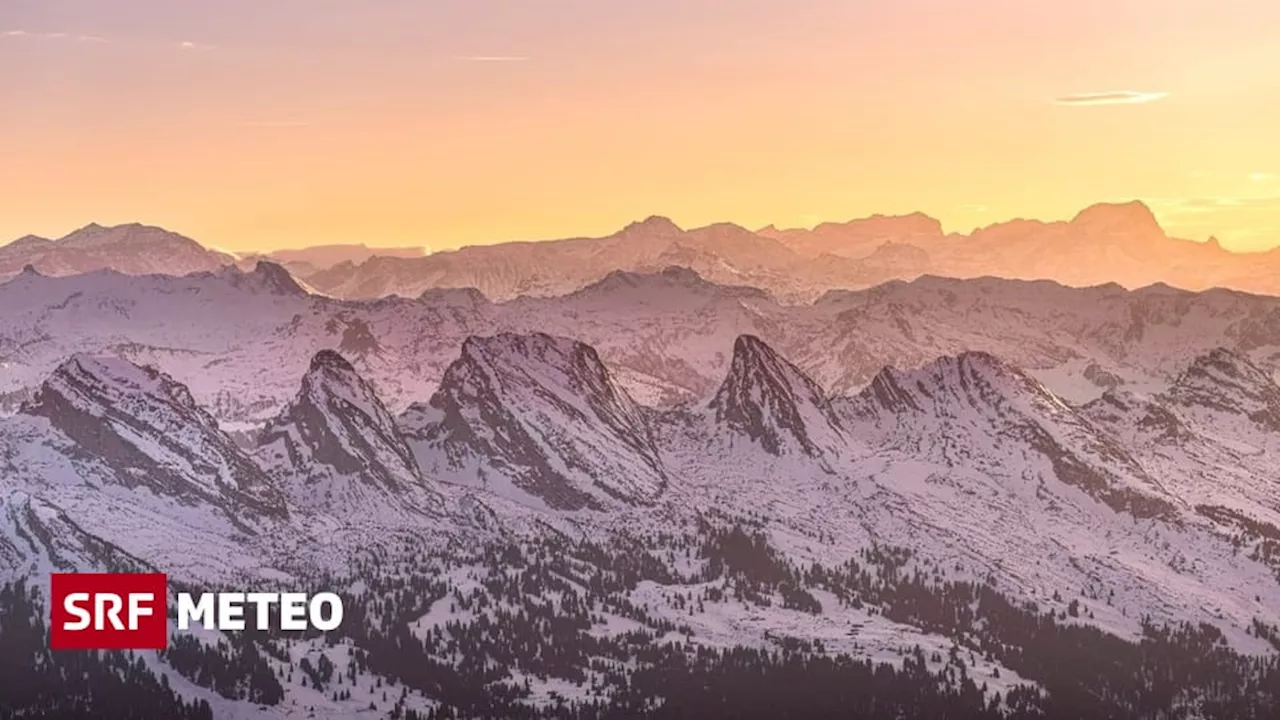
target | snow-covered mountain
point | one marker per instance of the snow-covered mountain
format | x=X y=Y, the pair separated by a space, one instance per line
x=771 y=402
x=544 y=414
x=240 y=340
x=532 y=485
x=337 y=447
x=125 y=457
x=147 y=428
x=974 y=410
x=133 y=249
x=1212 y=434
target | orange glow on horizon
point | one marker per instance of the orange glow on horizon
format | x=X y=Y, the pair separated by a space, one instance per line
x=252 y=128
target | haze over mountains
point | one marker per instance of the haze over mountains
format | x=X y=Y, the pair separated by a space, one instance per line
x=1121 y=243
x=240 y=339
x=675 y=467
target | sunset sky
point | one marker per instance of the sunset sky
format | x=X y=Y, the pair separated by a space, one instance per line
x=254 y=124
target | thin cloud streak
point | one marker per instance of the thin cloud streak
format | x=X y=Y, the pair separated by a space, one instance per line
x=491 y=58
x=85 y=38
x=53 y=36
x=1200 y=205
x=1114 y=97
x=274 y=124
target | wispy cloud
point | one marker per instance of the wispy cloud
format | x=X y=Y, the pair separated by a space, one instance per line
x=86 y=38
x=279 y=124
x=1113 y=97
x=491 y=58
x=72 y=37
x=1261 y=177
x=973 y=208
x=1200 y=205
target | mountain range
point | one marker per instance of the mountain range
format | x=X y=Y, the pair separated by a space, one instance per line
x=240 y=339
x=654 y=494
x=1107 y=242
x=968 y=464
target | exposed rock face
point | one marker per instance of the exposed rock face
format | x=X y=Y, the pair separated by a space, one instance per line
x=972 y=408
x=149 y=430
x=340 y=446
x=769 y=400
x=545 y=412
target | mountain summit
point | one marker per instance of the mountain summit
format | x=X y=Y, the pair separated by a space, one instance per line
x=340 y=445
x=544 y=412
x=977 y=413
x=770 y=401
x=655 y=225
x=266 y=277
x=133 y=249
x=1133 y=217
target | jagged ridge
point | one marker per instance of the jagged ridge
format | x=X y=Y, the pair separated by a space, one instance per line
x=545 y=412
x=149 y=430
x=958 y=405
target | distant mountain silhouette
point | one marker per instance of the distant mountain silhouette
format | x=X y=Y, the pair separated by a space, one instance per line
x=1119 y=243
x=309 y=260
x=133 y=249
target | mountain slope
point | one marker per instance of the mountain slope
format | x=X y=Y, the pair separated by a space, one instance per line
x=544 y=414
x=1229 y=383
x=960 y=505
x=150 y=431
x=954 y=410
x=1213 y=435
x=340 y=447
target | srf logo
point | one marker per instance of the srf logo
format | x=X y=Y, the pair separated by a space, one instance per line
x=108 y=611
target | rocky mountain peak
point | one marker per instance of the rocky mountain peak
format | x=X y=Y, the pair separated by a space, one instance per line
x=654 y=225
x=769 y=400
x=146 y=427
x=338 y=439
x=330 y=360
x=545 y=413
x=976 y=377
x=266 y=277
x=1129 y=218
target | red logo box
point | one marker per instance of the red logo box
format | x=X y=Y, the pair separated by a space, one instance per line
x=108 y=611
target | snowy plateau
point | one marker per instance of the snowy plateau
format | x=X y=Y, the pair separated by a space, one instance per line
x=568 y=506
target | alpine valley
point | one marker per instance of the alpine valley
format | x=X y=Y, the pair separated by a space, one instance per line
x=653 y=493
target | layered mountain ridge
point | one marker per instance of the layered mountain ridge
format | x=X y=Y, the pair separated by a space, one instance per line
x=1123 y=242
x=133 y=249
x=967 y=460
x=240 y=340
